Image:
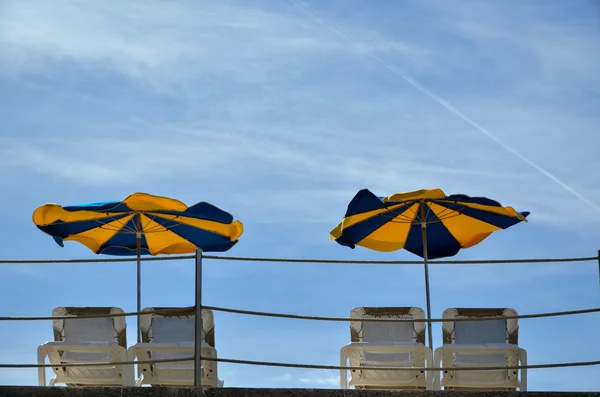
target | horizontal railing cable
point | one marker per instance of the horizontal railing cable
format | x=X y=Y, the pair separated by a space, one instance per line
x=306 y=366
x=414 y=320
x=416 y=368
x=300 y=260
x=384 y=262
x=304 y=317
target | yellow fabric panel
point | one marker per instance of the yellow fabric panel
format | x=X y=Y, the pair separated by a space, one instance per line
x=476 y=239
x=162 y=241
x=177 y=249
x=149 y=202
x=422 y=194
x=233 y=230
x=381 y=246
x=336 y=232
x=392 y=235
x=50 y=213
x=466 y=230
x=95 y=238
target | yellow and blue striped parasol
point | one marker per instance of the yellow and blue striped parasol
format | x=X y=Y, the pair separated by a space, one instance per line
x=142 y=224
x=426 y=222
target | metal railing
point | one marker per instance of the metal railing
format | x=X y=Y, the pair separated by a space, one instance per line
x=198 y=358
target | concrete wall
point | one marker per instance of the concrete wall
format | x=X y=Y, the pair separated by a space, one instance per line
x=34 y=391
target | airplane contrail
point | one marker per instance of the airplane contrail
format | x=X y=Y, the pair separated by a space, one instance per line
x=410 y=80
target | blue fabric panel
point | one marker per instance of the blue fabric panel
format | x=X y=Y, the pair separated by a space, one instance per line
x=225 y=245
x=125 y=245
x=209 y=212
x=440 y=242
x=62 y=229
x=364 y=201
x=204 y=211
x=101 y=206
x=341 y=241
x=474 y=200
x=126 y=238
x=414 y=241
x=492 y=218
x=58 y=241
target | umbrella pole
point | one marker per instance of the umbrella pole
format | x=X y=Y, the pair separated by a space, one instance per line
x=425 y=260
x=138 y=237
x=198 y=316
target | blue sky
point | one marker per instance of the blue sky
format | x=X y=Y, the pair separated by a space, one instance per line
x=278 y=112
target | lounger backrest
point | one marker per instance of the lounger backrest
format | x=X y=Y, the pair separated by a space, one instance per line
x=384 y=331
x=101 y=329
x=497 y=331
x=175 y=325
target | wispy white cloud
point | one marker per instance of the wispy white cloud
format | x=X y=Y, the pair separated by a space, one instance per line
x=559 y=49
x=328 y=138
x=476 y=126
x=25 y=270
x=223 y=40
x=321 y=382
x=326 y=176
x=283 y=378
x=140 y=39
x=310 y=379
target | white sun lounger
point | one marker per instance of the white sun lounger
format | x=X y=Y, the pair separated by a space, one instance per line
x=481 y=343
x=86 y=340
x=169 y=333
x=398 y=344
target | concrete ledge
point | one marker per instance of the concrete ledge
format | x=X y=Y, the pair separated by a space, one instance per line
x=36 y=391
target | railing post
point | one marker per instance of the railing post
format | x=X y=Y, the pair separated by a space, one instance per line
x=198 y=330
